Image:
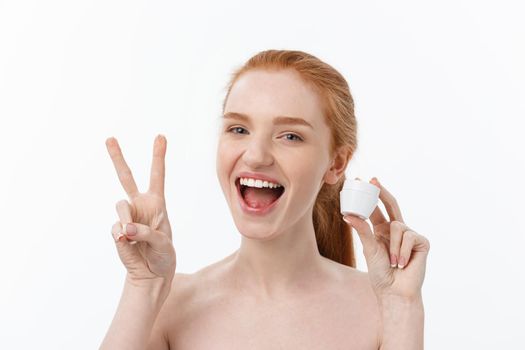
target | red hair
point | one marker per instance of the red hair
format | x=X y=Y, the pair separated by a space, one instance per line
x=334 y=238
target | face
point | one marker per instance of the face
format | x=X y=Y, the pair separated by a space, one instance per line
x=296 y=155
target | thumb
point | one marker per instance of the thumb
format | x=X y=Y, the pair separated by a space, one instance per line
x=370 y=244
x=136 y=232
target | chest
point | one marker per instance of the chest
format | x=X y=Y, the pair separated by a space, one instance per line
x=315 y=323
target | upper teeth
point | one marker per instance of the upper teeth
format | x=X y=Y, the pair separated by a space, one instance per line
x=258 y=183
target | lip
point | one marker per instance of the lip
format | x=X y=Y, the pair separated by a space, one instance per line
x=254 y=211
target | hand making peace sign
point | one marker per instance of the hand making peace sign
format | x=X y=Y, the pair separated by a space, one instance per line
x=395 y=255
x=153 y=256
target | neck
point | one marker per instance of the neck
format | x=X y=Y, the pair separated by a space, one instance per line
x=279 y=265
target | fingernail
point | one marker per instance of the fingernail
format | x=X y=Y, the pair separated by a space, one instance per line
x=130 y=229
x=117 y=238
x=401 y=262
x=393 y=260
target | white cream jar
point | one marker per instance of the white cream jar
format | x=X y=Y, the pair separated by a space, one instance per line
x=358 y=198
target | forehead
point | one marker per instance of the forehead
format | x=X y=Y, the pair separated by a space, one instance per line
x=263 y=93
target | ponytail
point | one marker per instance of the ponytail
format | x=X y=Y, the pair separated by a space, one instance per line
x=333 y=235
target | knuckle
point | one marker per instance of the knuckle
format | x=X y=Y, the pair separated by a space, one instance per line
x=142 y=230
x=426 y=242
x=410 y=235
x=396 y=225
x=120 y=203
x=409 y=241
x=115 y=228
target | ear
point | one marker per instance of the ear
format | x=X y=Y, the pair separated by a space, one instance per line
x=338 y=166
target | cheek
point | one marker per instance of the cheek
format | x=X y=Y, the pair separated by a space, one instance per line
x=225 y=160
x=226 y=152
x=306 y=185
x=306 y=176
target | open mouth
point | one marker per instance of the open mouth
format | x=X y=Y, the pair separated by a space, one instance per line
x=258 y=198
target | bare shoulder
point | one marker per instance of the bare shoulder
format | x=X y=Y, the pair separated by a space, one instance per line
x=189 y=293
x=182 y=290
x=201 y=302
x=360 y=296
x=175 y=307
x=359 y=282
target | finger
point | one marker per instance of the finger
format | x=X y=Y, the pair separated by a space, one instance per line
x=124 y=212
x=368 y=240
x=116 y=231
x=396 y=237
x=377 y=217
x=157 y=166
x=383 y=230
x=409 y=240
x=416 y=246
x=389 y=201
x=123 y=172
x=143 y=233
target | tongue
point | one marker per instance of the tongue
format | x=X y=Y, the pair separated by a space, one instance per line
x=260 y=197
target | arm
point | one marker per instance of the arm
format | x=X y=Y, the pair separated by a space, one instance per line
x=402 y=323
x=151 y=263
x=137 y=311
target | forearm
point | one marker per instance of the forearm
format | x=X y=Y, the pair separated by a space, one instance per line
x=138 y=308
x=402 y=323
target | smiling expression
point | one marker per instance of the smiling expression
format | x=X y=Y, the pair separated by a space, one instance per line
x=273 y=124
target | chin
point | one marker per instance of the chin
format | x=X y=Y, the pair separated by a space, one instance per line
x=259 y=232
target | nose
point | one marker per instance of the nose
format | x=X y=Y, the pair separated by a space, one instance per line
x=257 y=153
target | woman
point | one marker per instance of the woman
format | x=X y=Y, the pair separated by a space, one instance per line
x=288 y=132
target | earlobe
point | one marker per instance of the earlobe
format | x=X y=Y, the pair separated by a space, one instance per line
x=330 y=178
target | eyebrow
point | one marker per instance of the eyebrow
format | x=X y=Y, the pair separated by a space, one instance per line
x=278 y=120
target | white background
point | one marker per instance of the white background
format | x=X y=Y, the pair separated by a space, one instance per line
x=439 y=92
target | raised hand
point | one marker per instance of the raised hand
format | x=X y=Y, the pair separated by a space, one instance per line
x=395 y=254
x=148 y=254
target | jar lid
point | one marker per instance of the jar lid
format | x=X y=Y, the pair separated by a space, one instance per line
x=358 y=185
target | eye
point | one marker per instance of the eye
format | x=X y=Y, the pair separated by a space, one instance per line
x=238 y=129
x=235 y=128
x=298 y=138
